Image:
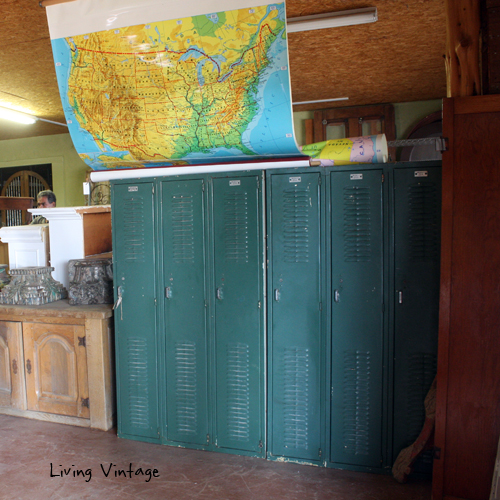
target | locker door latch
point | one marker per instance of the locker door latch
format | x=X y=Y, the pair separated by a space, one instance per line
x=336 y=296
x=119 y=293
x=277 y=294
x=168 y=292
x=219 y=293
x=400 y=296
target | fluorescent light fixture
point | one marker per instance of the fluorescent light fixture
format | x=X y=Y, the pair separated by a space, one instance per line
x=321 y=100
x=16 y=116
x=332 y=19
x=24 y=118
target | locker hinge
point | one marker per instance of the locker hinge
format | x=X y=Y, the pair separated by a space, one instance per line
x=320 y=180
x=383 y=177
x=261 y=445
x=85 y=402
x=155 y=302
x=153 y=189
x=320 y=453
x=258 y=304
x=208 y=438
x=258 y=183
x=82 y=341
x=202 y=185
x=206 y=303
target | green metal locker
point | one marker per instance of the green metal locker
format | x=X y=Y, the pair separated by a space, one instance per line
x=417 y=216
x=357 y=317
x=238 y=320
x=135 y=315
x=295 y=340
x=183 y=220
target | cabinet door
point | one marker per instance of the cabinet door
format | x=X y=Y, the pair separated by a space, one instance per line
x=417 y=215
x=239 y=339
x=295 y=333
x=184 y=271
x=135 y=315
x=56 y=369
x=12 y=385
x=357 y=318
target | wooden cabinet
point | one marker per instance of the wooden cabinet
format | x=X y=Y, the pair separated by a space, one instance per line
x=468 y=380
x=56 y=369
x=12 y=389
x=56 y=363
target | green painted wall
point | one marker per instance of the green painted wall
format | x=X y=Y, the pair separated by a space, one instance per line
x=408 y=114
x=68 y=170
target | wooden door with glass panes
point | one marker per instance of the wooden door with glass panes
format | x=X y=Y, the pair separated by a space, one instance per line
x=23 y=183
x=56 y=369
x=12 y=389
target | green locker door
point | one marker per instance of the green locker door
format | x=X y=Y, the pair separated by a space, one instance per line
x=295 y=331
x=417 y=217
x=357 y=318
x=135 y=315
x=183 y=230
x=239 y=338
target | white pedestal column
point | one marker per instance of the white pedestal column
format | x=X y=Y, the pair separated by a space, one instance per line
x=69 y=227
x=28 y=245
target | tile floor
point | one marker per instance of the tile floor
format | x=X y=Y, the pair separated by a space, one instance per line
x=31 y=450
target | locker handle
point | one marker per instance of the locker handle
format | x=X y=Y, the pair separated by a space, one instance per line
x=400 y=296
x=277 y=295
x=219 y=293
x=336 y=296
x=119 y=300
x=168 y=292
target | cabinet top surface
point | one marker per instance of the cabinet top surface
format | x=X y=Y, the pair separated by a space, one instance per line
x=58 y=309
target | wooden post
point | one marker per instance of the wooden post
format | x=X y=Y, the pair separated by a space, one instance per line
x=462 y=48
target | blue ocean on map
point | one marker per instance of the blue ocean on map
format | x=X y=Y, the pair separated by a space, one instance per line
x=269 y=134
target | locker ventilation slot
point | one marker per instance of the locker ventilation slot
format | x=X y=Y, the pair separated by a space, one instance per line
x=296 y=397
x=138 y=383
x=236 y=226
x=421 y=372
x=356 y=412
x=296 y=205
x=133 y=229
x=238 y=392
x=424 y=223
x=357 y=225
x=185 y=387
x=182 y=228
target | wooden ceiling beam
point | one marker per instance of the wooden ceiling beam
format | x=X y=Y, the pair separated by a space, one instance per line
x=463 y=25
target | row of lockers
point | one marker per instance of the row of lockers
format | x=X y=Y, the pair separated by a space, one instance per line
x=286 y=314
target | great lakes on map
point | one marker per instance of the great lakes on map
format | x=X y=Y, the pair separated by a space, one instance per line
x=192 y=90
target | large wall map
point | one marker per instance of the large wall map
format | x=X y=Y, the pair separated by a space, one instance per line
x=199 y=89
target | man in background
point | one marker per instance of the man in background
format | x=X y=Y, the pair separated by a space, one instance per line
x=44 y=199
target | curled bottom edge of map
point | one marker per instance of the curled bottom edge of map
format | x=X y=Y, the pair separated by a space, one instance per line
x=204 y=89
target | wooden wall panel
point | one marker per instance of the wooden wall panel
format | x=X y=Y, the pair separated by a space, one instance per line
x=468 y=400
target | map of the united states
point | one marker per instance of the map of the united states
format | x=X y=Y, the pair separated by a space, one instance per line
x=164 y=91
